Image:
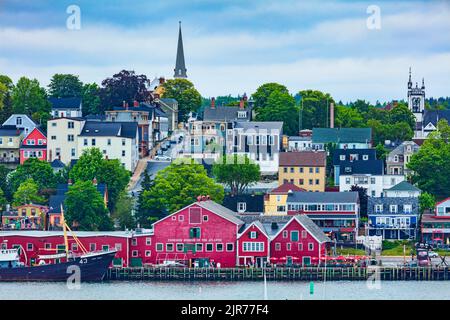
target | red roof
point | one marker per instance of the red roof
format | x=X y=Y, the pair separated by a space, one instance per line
x=303 y=158
x=286 y=187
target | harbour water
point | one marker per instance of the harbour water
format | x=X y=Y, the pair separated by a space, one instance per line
x=346 y=290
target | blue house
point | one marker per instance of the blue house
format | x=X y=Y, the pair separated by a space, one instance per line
x=353 y=156
x=394 y=215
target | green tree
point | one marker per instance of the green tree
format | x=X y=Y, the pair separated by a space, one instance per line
x=361 y=106
x=264 y=91
x=6 y=86
x=27 y=193
x=401 y=113
x=426 y=202
x=4 y=182
x=3 y=201
x=65 y=86
x=85 y=208
x=315 y=109
x=431 y=165
x=280 y=106
x=28 y=97
x=237 y=172
x=91 y=99
x=91 y=165
x=144 y=215
x=182 y=90
x=363 y=199
x=123 y=211
x=381 y=151
x=177 y=186
x=347 y=117
x=39 y=171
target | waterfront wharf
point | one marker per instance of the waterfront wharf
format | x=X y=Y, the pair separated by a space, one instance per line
x=280 y=274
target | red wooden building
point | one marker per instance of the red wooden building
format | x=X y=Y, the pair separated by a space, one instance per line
x=253 y=245
x=34 y=146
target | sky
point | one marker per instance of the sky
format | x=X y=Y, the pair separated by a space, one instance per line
x=350 y=49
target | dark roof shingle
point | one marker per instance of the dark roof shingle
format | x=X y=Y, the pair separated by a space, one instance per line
x=303 y=158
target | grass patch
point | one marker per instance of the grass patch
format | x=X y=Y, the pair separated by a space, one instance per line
x=350 y=252
x=395 y=248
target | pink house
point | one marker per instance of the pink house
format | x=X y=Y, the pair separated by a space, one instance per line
x=34 y=146
x=253 y=245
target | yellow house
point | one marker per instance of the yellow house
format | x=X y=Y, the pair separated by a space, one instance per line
x=27 y=216
x=275 y=200
x=305 y=169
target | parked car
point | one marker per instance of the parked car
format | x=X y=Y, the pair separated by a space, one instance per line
x=163 y=158
x=433 y=254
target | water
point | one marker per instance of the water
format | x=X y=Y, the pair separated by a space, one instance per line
x=346 y=290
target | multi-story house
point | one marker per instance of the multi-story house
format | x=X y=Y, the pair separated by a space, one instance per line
x=275 y=200
x=343 y=138
x=170 y=107
x=34 y=146
x=148 y=118
x=21 y=122
x=259 y=141
x=395 y=215
x=10 y=139
x=367 y=174
x=116 y=140
x=344 y=156
x=435 y=225
x=66 y=107
x=336 y=213
x=305 y=169
x=397 y=160
x=62 y=139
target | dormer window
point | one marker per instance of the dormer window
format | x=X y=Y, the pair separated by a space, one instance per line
x=19 y=121
x=242 y=206
x=242 y=114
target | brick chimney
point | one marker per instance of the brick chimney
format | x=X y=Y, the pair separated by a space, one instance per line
x=241 y=104
x=135 y=103
x=213 y=103
x=332 y=115
x=162 y=80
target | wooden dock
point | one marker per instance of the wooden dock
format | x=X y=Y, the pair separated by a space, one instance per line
x=279 y=274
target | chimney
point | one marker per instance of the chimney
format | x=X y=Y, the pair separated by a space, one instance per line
x=69 y=182
x=94 y=181
x=241 y=104
x=245 y=97
x=162 y=80
x=135 y=103
x=199 y=198
x=332 y=115
x=213 y=103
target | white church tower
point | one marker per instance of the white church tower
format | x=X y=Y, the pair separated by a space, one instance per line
x=416 y=103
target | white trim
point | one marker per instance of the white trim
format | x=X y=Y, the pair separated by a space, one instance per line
x=253 y=224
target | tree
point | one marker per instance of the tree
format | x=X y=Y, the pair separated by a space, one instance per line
x=363 y=199
x=177 y=186
x=123 y=86
x=91 y=99
x=85 y=208
x=3 y=201
x=27 y=193
x=39 y=171
x=401 y=113
x=144 y=215
x=381 y=151
x=315 y=109
x=280 y=106
x=28 y=97
x=264 y=91
x=431 y=165
x=426 y=202
x=237 y=172
x=65 y=86
x=91 y=165
x=6 y=86
x=348 y=117
x=361 y=106
x=182 y=90
x=4 y=182
x=123 y=211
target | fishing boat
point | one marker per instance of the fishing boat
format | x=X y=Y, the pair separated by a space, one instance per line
x=88 y=266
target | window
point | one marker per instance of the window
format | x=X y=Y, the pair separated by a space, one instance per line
x=294 y=235
x=48 y=246
x=310 y=246
x=310 y=182
x=347 y=180
x=209 y=247
x=159 y=247
x=53 y=137
x=372 y=180
x=407 y=208
x=230 y=247
x=311 y=170
x=109 y=142
x=342 y=157
x=285 y=234
x=180 y=217
x=53 y=124
x=301 y=181
x=253 y=246
x=93 y=142
x=92 y=247
x=317 y=170
x=148 y=241
x=29 y=246
x=18 y=121
x=180 y=247
x=378 y=208
x=134 y=253
x=304 y=234
x=242 y=206
x=70 y=124
x=365 y=157
x=195 y=215
x=292 y=169
x=169 y=247
x=72 y=152
x=285 y=170
x=300 y=247
x=277 y=246
x=317 y=181
x=195 y=233
x=219 y=247
x=70 y=137
x=199 y=247
x=253 y=235
x=105 y=247
x=74 y=247
x=123 y=142
x=288 y=246
x=148 y=253
x=118 y=246
x=134 y=242
x=85 y=142
x=393 y=208
x=205 y=218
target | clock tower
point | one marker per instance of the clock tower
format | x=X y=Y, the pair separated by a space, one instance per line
x=416 y=100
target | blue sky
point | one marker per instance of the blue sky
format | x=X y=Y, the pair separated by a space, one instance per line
x=234 y=46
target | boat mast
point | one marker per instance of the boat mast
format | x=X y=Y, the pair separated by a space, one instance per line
x=66 y=241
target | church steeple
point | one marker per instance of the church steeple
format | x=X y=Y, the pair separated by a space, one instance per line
x=180 y=67
x=409 y=81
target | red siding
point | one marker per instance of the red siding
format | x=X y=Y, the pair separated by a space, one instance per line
x=34 y=136
x=245 y=257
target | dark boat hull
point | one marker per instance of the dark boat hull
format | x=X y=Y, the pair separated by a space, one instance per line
x=90 y=268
